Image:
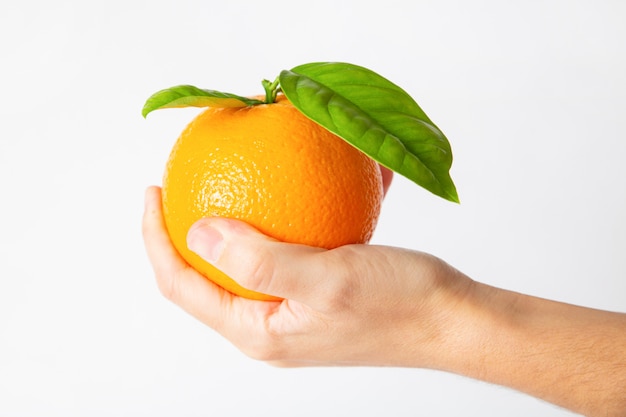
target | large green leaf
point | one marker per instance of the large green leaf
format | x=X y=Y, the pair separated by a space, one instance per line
x=377 y=117
x=190 y=96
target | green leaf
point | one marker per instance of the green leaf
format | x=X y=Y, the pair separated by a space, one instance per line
x=190 y=96
x=377 y=117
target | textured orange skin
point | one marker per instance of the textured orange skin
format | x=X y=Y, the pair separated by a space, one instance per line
x=275 y=169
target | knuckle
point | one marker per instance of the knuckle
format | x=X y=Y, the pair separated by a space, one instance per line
x=258 y=272
x=168 y=286
x=269 y=344
x=344 y=288
x=265 y=349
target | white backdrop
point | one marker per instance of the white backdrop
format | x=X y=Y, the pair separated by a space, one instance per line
x=531 y=94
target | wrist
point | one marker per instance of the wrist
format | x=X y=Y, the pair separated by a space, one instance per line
x=554 y=351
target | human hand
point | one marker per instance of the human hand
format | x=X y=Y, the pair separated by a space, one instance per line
x=357 y=304
x=383 y=306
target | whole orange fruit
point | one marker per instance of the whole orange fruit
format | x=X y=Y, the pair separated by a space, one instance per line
x=272 y=167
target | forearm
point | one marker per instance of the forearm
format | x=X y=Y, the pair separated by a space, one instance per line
x=568 y=355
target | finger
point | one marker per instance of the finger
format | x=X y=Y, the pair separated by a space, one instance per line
x=242 y=321
x=387 y=175
x=160 y=251
x=176 y=280
x=259 y=263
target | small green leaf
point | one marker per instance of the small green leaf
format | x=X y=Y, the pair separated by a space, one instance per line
x=190 y=96
x=377 y=117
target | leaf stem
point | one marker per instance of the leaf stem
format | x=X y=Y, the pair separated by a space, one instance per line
x=271 y=90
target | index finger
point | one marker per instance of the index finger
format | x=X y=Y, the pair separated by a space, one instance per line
x=176 y=280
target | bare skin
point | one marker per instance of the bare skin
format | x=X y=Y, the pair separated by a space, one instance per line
x=372 y=305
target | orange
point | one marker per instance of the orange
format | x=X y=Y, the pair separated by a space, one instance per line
x=272 y=167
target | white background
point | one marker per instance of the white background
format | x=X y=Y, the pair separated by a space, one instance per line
x=531 y=94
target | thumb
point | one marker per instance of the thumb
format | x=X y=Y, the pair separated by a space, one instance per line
x=258 y=262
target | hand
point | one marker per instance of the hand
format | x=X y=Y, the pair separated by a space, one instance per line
x=350 y=305
x=383 y=306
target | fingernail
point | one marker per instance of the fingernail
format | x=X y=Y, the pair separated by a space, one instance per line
x=206 y=241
